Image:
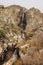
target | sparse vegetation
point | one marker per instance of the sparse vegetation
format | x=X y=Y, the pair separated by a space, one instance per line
x=21 y=36
x=1 y=34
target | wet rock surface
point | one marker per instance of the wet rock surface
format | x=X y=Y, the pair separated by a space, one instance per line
x=21 y=36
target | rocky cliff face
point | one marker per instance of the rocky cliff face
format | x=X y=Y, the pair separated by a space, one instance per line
x=21 y=36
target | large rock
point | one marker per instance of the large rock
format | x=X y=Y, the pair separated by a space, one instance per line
x=21 y=29
x=34 y=20
x=12 y=14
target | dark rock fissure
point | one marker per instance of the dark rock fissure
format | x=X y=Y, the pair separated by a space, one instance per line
x=23 y=23
x=8 y=54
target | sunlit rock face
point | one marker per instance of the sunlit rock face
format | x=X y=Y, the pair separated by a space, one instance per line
x=12 y=14
x=21 y=36
x=34 y=20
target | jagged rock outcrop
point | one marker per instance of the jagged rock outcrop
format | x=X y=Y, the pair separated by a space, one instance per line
x=34 y=20
x=12 y=14
x=21 y=30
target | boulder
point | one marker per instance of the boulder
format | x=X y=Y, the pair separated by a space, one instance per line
x=34 y=20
